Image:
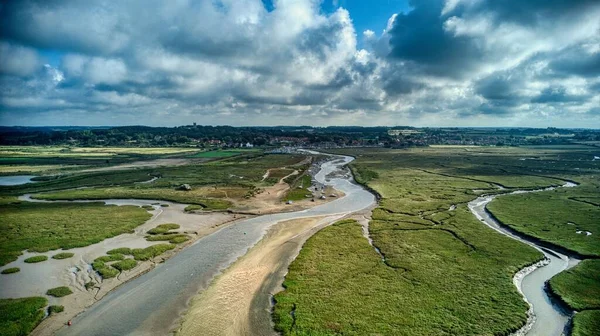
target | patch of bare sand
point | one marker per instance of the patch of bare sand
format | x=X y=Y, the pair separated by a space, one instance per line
x=229 y=305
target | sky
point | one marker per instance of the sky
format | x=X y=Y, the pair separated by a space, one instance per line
x=487 y=63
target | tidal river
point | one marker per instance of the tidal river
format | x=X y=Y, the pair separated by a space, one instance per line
x=152 y=303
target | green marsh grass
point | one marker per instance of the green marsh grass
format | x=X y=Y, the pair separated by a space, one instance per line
x=36 y=259
x=59 y=291
x=55 y=309
x=63 y=255
x=40 y=227
x=18 y=317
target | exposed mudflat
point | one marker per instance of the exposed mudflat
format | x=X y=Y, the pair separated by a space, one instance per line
x=36 y=279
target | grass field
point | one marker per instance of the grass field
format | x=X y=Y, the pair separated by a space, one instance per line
x=60 y=151
x=62 y=160
x=223 y=153
x=197 y=197
x=340 y=285
x=40 y=227
x=444 y=273
x=234 y=178
x=18 y=317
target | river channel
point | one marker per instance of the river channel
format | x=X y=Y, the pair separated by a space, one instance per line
x=152 y=303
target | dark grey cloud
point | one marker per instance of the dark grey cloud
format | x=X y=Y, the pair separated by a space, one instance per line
x=243 y=61
x=419 y=37
x=532 y=12
x=558 y=94
x=577 y=61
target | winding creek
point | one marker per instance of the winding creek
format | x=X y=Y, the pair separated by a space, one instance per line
x=154 y=302
x=545 y=317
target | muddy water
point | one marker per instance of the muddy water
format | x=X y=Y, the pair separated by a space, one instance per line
x=547 y=319
x=152 y=303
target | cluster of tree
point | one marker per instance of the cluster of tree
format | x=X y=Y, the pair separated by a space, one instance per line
x=228 y=136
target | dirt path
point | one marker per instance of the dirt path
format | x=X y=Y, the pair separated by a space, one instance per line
x=228 y=306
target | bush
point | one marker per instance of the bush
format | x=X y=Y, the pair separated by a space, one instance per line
x=59 y=291
x=164 y=228
x=148 y=207
x=55 y=309
x=63 y=255
x=120 y=250
x=107 y=272
x=179 y=239
x=11 y=270
x=89 y=284
x=151 y=251
x=109 y=258
x=36 y=259
x=172 y=238
x=193 y=207
x=125 y=265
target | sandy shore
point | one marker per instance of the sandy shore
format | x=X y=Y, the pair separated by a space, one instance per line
x=225 y=307
x=238 y=302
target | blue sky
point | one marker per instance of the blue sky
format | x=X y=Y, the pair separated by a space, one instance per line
x=372 y=15
x=256 y=62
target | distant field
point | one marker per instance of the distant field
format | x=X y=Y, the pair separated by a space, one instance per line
x=194 y=197
x=60 y=159
x=40 y=227
x=58 y=151
x=223 y=153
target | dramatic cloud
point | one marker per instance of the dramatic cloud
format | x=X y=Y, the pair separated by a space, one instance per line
x=453 y=62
